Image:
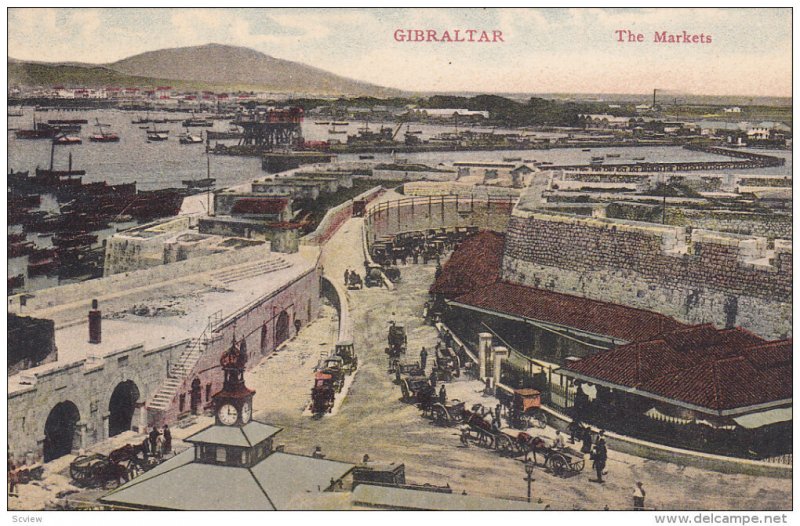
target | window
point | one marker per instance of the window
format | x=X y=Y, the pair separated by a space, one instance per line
x=222 y=454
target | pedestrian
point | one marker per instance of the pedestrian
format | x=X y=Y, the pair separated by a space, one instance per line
x=438 y=272
x=497 y=410
x=558 y=442
x=442 y=395
x=346 y=276
x=317 y=452
x=433 y=378
x=13 y=479
x=154 y=434
x=167 y=440
x=365 y=459
x=638 y=497
x=146 y=448
x=586 y=448
x=159 y=449
x=599 y=458
x=423 y=358
x=415 y=256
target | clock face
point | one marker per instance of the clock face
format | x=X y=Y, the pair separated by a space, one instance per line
x=247 y=412
x=227 y=414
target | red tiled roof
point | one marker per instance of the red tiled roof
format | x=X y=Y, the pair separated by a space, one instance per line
x=475 y=264
x=596 y=317
x=714 y=369
x=272 y=206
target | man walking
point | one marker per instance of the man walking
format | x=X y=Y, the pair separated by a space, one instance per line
x=599 y=457
x=167 y=440
x=154 y=434
x=638 y=497
x=423 y=358
x=442 y=395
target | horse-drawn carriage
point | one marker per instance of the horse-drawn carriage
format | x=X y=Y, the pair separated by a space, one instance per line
x=447 y=364
x=373 y=276
x=121 y=465
x=524 y=408
x=449 y=413
x=559 y=461
x=397 y=340
x=407 y=370
x=418 y=389
x=322 y=394
x=354 y=281
x=392 y=273
x=334 y=367
x=346 y=351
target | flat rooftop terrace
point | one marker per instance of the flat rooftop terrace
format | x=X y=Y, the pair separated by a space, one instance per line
x=161 y=314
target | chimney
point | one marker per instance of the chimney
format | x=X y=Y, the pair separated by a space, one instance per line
x=95 y=318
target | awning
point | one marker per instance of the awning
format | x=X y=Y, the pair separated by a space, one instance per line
x=764 y=418
x=658 y=415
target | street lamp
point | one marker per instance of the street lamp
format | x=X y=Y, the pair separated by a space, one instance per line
x=529 y=467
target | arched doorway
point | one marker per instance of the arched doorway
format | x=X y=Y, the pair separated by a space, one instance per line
x=282 y=328
x=60 y=430
x=194 y=397
x=121 y=407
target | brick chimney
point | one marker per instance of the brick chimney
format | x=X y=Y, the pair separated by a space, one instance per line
x=95 y=320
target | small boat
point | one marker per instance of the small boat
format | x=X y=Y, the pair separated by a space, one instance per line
x=194 y=122
x=638 y=158
x=366 y=157
x=16 y=282
x=322 y=123
x=600 y=158
x=188 y=138
x=207 y=182
x=586 y=150
x=67 y=140
x=15 y=114
x=613 y=155
x=511 y=159
x=157 y=135
x=340 y=124
x=333 y=131
x=414 y=132
x=45 y=266
x=103 y=136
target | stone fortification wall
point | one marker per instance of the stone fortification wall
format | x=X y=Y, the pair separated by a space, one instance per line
x=422 y=213
x=89 y=384
x=704 y=277
x=263 y=325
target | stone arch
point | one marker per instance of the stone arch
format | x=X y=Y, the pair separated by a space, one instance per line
x=122 y=406
x=282 y=328
x=61 y=433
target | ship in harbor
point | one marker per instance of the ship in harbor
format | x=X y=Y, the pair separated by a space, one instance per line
x=102 y=135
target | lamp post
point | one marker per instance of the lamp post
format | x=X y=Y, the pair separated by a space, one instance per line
x=529 y=467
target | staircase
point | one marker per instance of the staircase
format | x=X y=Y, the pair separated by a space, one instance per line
x=177 y=373
x=251 y=270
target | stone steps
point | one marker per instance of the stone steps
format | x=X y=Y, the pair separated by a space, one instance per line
x=178 y=372
x=251 y=270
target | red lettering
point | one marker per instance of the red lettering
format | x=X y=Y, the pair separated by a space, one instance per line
x=484 y=37
x=470 y=34
x=497 y=36
x=432 y=36
x=455 y=38
x=400 y=35
x=446 y=37
x=419 y=35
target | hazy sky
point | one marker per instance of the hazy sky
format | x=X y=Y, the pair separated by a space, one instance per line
x=545 y=50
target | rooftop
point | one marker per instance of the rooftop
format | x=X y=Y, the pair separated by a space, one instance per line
x=154 y=315
x=719 y=371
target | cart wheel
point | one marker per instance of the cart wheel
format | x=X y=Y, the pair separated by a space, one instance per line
x=503 y=444
x=540 y=420
x=439 y=415
x=405 y=390
x=558 y=464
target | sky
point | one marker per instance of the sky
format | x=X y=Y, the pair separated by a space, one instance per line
x=544 y=50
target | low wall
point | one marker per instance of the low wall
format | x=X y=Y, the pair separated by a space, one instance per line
x=65 y=294
x=684 y=457
x=422 y=213
x=338 y=298
x=336 y=216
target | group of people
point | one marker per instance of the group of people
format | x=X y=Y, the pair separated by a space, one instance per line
x=351 y=276
x=158 y=443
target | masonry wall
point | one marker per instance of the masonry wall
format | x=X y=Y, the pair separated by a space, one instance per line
x=422 y=213
x=716 y=278
x=89 y=385
x=256 y=323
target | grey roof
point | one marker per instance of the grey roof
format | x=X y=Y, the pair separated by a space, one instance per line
x=248 y=435
x=278 y=482
x=388 y=497
x=285 y=477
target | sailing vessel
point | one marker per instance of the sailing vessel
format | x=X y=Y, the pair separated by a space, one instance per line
x=188 y=138
x=157 y=135
x=102 y=135
x=64 y=139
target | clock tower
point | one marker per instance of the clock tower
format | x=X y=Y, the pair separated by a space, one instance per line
x=233 y=406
